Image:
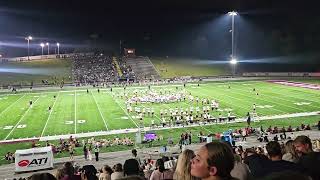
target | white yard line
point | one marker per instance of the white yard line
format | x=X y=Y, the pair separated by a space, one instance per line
x=45 y=126
x=133 y=130
x=12 y=104
x=21 y=119
x=123 y=109
x=273 y=102
x=249 y=101
x=75 y=112
x=294 y=96
x=105 y=123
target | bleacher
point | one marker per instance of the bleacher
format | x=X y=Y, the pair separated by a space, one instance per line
x=143 y=67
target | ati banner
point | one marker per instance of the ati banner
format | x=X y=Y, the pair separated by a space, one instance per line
x=33 y=159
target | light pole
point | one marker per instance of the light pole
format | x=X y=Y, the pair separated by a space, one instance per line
x=48 y=47
x=28 y=39
x=233 y=60
x=58 y=44
x=42 y=45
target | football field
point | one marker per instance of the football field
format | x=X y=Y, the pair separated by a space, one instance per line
x=79 y=111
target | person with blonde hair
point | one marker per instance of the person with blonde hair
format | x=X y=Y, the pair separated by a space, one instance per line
x=290 y=153
x=59 y=174
x=183 y=166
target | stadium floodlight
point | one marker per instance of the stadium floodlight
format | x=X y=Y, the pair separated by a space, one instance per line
x=42 y=45
x=47 y=44
x=29 y=38
x=232 y=13
x=58 y=44
x=233 y=61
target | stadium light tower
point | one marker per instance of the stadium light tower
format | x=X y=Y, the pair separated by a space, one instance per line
x=47 y=44
x=58 y=44
x=42 y=45
x=233 y=60
x=28 y=39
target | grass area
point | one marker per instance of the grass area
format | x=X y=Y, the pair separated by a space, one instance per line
x=176 y=67
x=25 y=72
x=76 y=111
x=173 y=133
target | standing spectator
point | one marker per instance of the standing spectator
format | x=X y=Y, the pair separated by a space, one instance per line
x=71 y=151
x=214 y=160
x=309 y=159
x=117 y=172
x=105 y=173
x=96 y=152
x=89 y=152
x=183 y=168
x=85 y=151
x=161 y=173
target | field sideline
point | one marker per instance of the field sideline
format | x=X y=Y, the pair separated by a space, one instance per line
x=77 y=111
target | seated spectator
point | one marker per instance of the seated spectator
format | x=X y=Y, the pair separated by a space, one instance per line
x=289 y=129
x=286 y=175
x=240 y=170
x=261 y=166
x=308 y=159
x=277 y=164
x=68 y=172
x=42 y=176
x=308 y=127
x=161 y=172
x=290 y=153
x=89 y=172
x=131 y=167
x=105 y=173
x=59 y=174
x=214 y=160
x=117 y=172
x=275 y=138
x=183 y=168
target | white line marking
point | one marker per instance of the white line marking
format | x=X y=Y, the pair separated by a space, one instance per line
x=75 y=112
x=99 y=111
x=12 y=104
x=21 y=119
x=49 y=115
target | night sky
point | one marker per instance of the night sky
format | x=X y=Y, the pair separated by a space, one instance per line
x=264 y=29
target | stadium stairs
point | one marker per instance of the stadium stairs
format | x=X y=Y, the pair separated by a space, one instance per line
x=142 y=67
x=115 y=62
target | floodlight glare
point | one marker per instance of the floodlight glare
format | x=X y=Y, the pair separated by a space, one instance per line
x=42 y=45
x=233 y=61
x=47 y=44
x=58 y=44
x=232 y=13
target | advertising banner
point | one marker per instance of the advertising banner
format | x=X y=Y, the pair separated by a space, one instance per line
x=33 y=159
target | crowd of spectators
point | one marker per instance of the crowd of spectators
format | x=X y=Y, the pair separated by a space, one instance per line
x=296 y=159
x=90 y=69
x=127 y=72
x=287 y=158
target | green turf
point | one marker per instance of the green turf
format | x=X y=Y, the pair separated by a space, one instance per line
x=76 y=111
x=93 y=111
x=35 y=71
x=177 y=67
